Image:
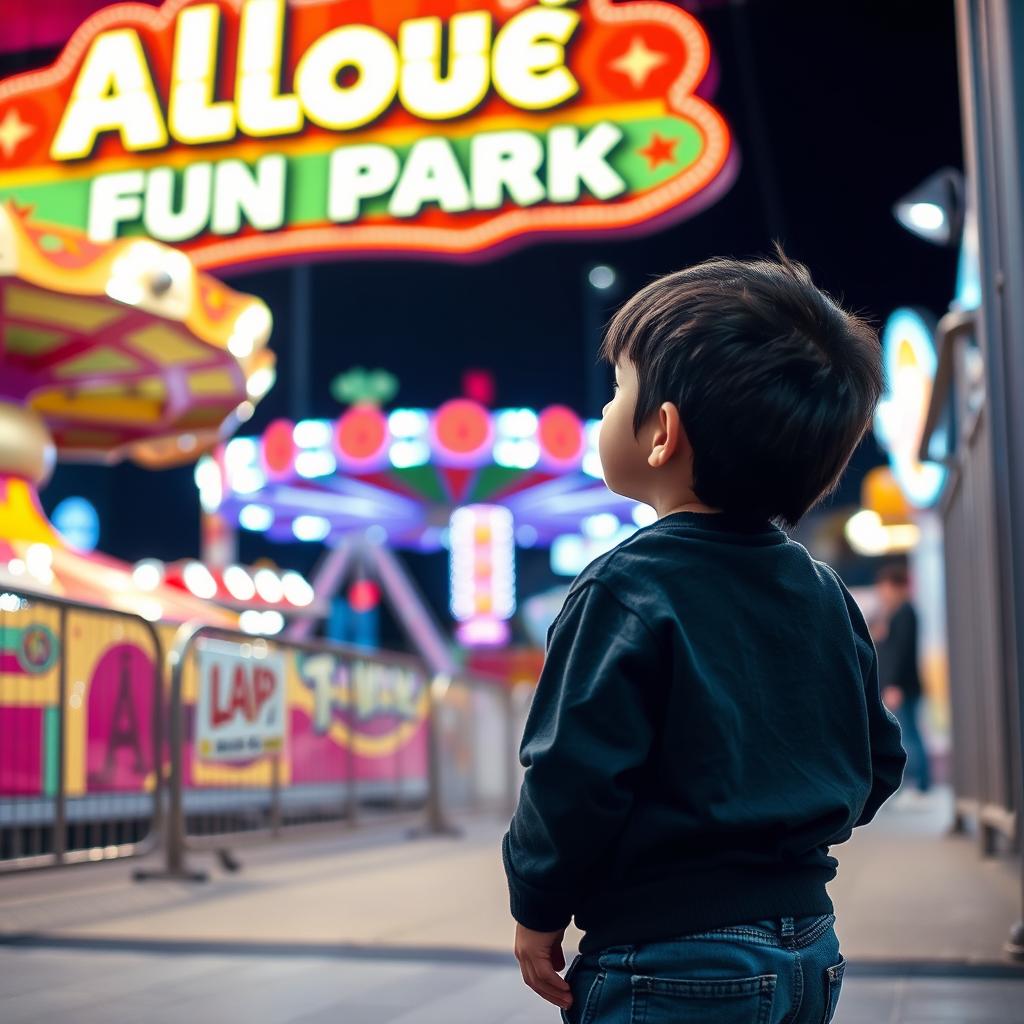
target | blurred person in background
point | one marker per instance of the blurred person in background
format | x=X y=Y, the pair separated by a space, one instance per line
x=898 y=675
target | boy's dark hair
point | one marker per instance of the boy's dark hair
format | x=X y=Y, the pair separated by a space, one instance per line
x=894 y=572
x=774 y=382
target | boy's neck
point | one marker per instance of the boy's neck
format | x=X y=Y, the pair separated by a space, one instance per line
x=688 y=506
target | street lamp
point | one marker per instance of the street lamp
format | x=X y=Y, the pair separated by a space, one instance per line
x=934 y=210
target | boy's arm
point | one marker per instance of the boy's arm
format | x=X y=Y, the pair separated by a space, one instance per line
x=888 y=758
x=589 y=731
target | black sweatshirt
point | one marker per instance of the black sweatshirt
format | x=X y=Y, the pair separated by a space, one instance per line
x=706 y=725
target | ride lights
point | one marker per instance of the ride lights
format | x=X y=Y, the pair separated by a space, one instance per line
x=482 y=573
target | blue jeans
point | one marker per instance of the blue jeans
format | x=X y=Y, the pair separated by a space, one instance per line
x=767 y=972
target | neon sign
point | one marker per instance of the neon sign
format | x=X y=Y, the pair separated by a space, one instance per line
x=910 y=363
x=253 y=130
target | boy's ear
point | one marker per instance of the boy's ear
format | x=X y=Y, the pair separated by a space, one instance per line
x=669 y=436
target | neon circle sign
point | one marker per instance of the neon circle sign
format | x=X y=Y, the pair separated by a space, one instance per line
x=254 y=130
x=910 y=363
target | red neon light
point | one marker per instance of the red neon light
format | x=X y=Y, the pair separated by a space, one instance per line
x=279 y=449
x=462 y=428
x=561 y=434
x=361 y=434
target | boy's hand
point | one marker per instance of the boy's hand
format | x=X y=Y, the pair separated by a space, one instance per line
x=540 y=959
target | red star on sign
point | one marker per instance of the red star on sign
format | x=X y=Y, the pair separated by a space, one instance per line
x=659 y=151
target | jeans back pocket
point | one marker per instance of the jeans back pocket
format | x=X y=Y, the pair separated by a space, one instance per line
x=718 y=1001
x=833 y=985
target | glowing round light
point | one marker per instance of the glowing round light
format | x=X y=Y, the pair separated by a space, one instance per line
x=561 y=435
x=311 y=528
x=408 y=423
x=150 y=609
x=600 y=526
x=516 y=423
x=406 y=454
x=239 y=452
x=260 y=381
x=269 y=586
x=364 y=595
x=256 y=518
x=361 y=435
x=869 y=535
x=239 y=583
x=251 y=621
x=279 y=449
x=312 y=464
x=926 y=216
x=297 y=590
x=462 y=430
x=601 y=277
x=517 y=454
x=271 y=622
x=312 y=433
x=78 y=522
x=644 y=515
x=483 y=632
x=376 y=534
x=526 y=535
x=148 y=574
x=211 y=486
x=39 y=562
x=199 y=580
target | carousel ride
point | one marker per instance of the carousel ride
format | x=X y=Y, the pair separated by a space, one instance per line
x=108 y=352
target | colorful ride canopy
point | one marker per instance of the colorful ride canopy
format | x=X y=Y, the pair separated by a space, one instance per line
x=245 y=131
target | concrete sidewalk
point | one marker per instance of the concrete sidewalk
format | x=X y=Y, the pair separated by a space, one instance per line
x=375 y=927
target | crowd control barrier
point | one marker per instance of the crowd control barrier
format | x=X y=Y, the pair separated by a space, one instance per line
x=80 y=726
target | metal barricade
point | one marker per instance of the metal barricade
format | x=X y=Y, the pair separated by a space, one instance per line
x=80 y=726
x=478 y=730
x=354 y=739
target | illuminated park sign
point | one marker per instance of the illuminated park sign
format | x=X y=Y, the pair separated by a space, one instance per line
x=252 y=130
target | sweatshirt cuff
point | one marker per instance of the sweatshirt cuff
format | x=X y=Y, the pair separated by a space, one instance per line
x=537 y=909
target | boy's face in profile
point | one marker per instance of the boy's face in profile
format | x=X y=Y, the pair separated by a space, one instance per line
x=623 y=456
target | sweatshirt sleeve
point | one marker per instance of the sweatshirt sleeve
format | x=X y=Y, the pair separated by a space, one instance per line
x=588 y=733
x=888 y=758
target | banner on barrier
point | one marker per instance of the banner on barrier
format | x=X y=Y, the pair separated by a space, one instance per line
x=241 y=708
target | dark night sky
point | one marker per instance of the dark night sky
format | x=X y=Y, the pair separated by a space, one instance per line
x=838 y=108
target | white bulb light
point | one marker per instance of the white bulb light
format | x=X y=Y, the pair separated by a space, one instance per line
x=311 y=528
x=256 y=518
x=239 y=583
x=148 y=575
x=297 y=590
x=199 y=580
x=269 y=586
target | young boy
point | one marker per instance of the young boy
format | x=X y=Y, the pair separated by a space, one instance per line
x=708 y=720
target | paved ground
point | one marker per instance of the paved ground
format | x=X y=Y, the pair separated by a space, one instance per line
x=374 y=928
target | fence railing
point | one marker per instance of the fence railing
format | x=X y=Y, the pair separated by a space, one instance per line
x=80 y=732
x=107 y=746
